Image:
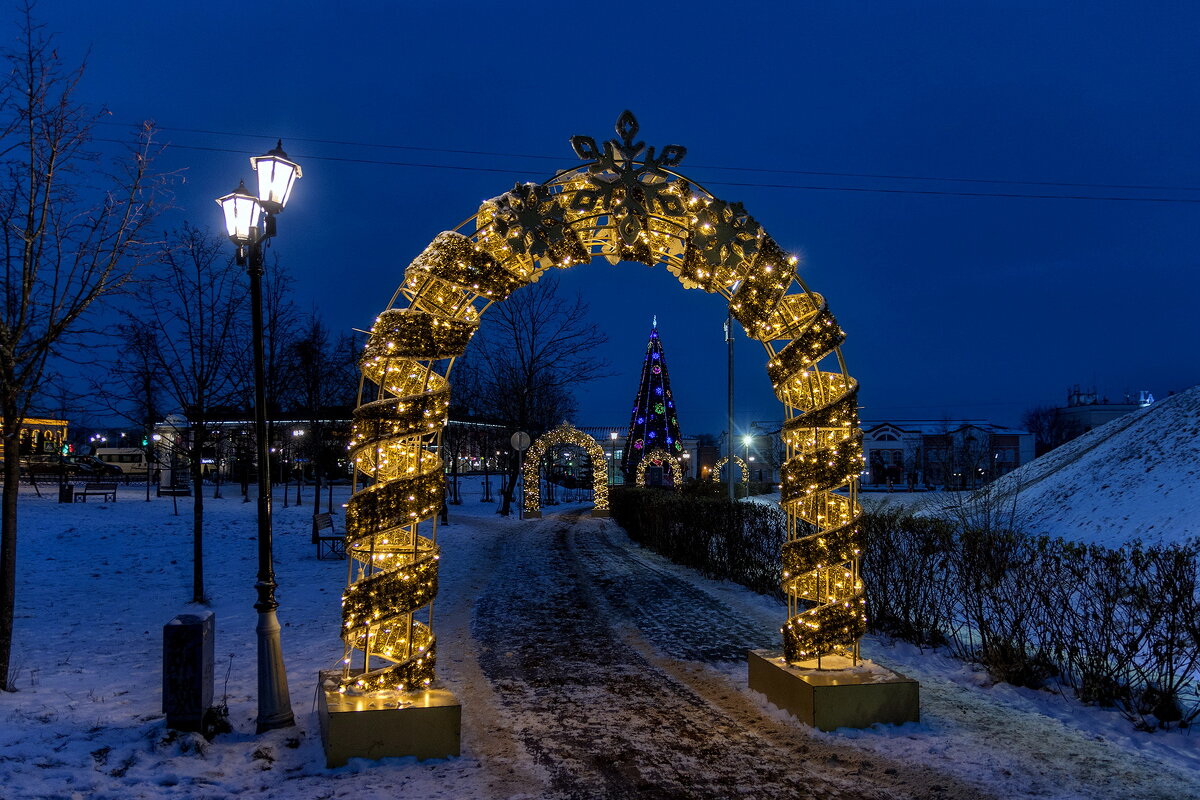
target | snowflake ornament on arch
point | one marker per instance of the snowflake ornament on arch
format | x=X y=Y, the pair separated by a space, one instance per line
x=628 y=189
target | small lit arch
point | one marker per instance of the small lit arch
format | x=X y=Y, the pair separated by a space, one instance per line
x=565 y=434
x=658 y=458
x=716 y=471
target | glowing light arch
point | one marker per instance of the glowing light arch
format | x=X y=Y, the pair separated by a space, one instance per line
x=716 y=470
x=624 y=203
x=659 y=457
x=565 y=434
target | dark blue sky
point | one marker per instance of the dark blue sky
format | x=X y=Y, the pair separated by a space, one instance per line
x=954 y=304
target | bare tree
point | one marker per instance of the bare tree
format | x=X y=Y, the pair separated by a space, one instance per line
x=130 y=387
x=187 y=323
x=71 y=230
x=280 y=325
x=533 y=353
x=323 y=376
x=1046 y=426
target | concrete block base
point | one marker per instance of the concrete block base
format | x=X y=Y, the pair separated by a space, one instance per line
x=423 y=724
x=839 y=695
x=533 y=515
x=601 y=512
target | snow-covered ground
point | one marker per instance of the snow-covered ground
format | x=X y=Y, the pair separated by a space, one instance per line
x=586 y=667
x=1136 y=477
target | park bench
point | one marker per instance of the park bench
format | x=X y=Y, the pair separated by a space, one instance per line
x=107 y=491
x=330 y=545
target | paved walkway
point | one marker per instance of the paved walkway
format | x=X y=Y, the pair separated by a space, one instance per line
x=614 y=675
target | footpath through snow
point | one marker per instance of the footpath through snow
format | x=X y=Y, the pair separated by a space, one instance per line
x=586 y=667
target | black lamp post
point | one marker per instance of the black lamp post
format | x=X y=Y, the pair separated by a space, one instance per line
x=250 y=222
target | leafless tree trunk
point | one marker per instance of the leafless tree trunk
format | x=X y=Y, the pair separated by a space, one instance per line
x=323 y=374
x=70 y=230
x=189 y=319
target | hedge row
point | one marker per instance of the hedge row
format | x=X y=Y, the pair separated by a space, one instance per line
x=1120 y=627
x=740 y=542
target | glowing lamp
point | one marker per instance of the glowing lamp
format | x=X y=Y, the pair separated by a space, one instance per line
x=243 y=215
x=276 y=177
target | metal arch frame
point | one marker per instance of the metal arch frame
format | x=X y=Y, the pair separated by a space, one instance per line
x=716 y=470
x=452 y=284
x=661 y=455
x=570 y=435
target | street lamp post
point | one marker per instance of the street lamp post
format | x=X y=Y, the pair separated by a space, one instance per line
x=612 y=459
x=250 y=221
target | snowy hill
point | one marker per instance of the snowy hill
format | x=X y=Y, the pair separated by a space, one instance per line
x=1133 y=478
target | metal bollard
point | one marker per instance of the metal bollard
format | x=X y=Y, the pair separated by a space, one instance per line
x=187 y=691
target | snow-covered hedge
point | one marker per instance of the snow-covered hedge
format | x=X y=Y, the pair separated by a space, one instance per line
x=1120 y=627
x=739 y=541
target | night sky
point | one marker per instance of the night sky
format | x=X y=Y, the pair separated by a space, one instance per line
x=862 y=133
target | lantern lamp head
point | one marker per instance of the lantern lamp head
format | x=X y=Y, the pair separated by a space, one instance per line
x=277 y=175
x=243 y=215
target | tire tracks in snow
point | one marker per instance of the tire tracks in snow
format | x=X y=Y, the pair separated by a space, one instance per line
x=670 y=624
x=616 y=697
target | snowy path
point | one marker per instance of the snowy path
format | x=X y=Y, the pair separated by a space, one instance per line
x=587 y=667
x=601 y=659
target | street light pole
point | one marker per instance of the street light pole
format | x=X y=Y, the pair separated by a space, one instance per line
x=250 y=221
x=612 y=459
x=729 y=440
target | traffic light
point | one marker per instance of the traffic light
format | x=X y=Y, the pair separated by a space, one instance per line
x=145 y=441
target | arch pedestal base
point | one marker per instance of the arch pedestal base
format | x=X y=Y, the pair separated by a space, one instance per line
x=850 y=697
x=427 y=725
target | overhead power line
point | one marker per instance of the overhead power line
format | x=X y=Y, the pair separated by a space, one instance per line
x=743 y=184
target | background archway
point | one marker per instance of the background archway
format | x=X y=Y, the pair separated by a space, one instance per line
x=661 y=457
x=625 y=202
x=565 y=434
x=716 y=470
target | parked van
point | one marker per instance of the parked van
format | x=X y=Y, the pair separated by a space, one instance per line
x=131 y=460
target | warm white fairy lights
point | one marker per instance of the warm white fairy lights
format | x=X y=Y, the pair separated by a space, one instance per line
x=660 y=458
x=624 y=203
x=565 y=434
x=737 y=460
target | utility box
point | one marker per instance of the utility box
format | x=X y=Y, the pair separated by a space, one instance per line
x=187 y=690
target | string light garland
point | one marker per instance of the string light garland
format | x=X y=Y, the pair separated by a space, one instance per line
x=624 y=203
x=565 y=434
x=658 y=458
x=716 y=470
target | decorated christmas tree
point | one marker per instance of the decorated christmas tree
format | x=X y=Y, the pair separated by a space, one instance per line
x=653 y=424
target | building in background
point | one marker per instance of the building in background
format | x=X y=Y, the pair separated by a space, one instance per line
x=39 y=436
x=941 y=454
x=1086 y=410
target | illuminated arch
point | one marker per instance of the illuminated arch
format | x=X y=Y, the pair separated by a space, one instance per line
x=566 y=434
x=625 y=202
x=716 y=471
x=658 y=457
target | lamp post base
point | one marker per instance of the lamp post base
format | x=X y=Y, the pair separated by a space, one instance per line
x=274 y=703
